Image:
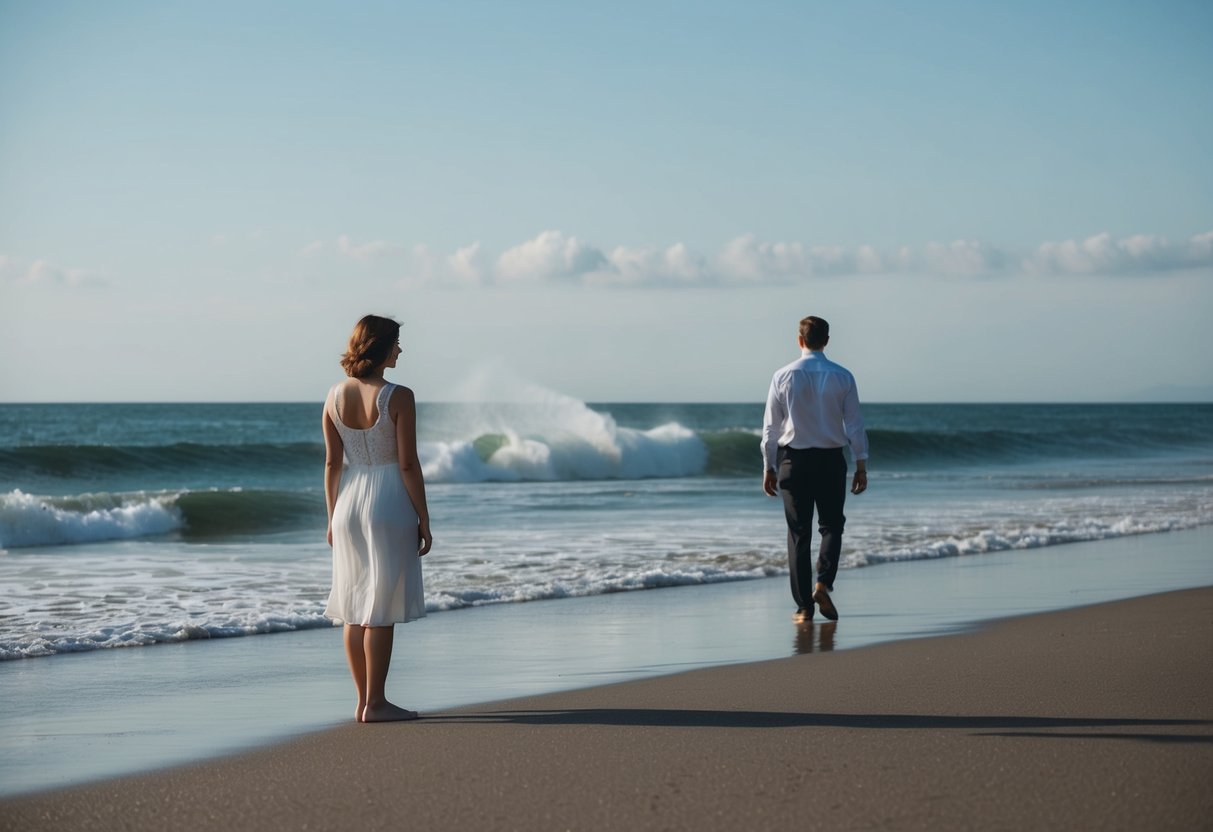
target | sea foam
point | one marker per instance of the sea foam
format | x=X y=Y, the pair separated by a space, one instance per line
x=613 y=453
x=28 y=520
x=185 y=594
x=550 y=437
x=33 y=520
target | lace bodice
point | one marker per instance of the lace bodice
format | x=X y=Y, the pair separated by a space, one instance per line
x=377 y=444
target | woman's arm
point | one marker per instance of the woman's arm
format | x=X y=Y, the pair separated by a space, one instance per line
x=403 y=409
x=334 y=459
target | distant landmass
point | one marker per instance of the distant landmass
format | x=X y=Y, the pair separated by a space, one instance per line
x=1174 y=393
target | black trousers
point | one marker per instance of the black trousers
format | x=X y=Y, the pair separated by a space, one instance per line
x=812 y=478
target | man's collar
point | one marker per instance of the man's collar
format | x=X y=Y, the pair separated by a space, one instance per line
x=808 y=353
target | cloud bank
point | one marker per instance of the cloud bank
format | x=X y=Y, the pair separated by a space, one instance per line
x=1102 y=254
x=553 y=257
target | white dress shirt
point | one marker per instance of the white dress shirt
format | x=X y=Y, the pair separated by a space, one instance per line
x=813 y=403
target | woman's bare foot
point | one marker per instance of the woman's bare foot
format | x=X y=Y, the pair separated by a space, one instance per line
x=386 y=712
x=358 y=711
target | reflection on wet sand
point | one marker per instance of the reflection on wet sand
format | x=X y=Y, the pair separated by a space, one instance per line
x=812 y=637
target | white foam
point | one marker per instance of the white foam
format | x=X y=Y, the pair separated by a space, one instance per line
x=1010 y=536
x=148 y=633
x=133 y=594
x=28 y=520
x=614 y=453
x=523 y=543
x=549 y=436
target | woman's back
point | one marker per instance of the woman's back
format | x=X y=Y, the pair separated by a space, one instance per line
x=367 y=432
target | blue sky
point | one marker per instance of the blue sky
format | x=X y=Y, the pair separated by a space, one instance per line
x=619 y=201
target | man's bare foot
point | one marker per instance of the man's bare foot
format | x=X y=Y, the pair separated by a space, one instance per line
x=803 y=616
x=387 y=712
x=824 y=603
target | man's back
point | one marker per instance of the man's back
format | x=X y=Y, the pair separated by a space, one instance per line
x=813 y=403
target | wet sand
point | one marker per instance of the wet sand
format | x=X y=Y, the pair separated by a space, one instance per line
x=1096 y=717
x=75 y=718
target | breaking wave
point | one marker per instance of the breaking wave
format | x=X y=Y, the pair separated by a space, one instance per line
x=31 y=520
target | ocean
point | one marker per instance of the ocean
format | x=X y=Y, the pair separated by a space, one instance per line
x=134 y=525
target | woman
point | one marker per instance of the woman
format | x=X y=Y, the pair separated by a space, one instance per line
x=379 y=525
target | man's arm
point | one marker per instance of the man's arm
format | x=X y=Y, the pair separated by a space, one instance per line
x=772 y=426
x=857 y=437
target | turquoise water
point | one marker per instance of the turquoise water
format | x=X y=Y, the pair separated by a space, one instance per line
x=126 y=525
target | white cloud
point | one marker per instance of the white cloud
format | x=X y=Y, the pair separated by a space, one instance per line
x=633 y=266
x=1200 y=247
x=838 y=260
x=868 y=260
x=550 y=256
x=553 y=256
x=965 y=257
x=366 y=252
x=1140 y=253
x=746 y=258
x=464 y=264
x=415 y=265
x=427 y=268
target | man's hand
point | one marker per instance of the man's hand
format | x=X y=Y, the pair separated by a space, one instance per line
x=769 y=484
x=859 y=483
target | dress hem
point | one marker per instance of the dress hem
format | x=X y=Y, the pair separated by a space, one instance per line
x=336 y=619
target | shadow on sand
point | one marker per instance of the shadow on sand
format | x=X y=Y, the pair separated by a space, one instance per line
x=995 y=726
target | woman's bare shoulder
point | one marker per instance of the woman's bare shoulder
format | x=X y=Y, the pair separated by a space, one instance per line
x=401 y=397
x=336 y=391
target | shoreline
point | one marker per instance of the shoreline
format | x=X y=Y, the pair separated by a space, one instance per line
x=147 y=709
x=1090 y=717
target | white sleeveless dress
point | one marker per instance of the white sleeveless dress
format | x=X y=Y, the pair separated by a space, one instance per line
x=376 y=570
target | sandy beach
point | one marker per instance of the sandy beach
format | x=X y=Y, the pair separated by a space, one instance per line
x=1096 y=717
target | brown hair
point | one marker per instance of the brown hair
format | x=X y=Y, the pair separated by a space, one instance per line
x=815 y=332
x=370 y=345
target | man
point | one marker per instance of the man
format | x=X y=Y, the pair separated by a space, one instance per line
x=812 y=413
